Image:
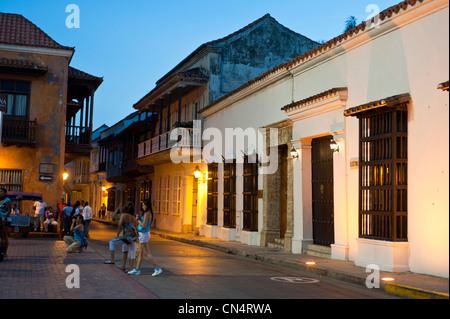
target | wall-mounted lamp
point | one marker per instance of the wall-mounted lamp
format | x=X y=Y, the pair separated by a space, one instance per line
x=65 y=175
x=197 y=172
x=334 y=146
x=294 y=152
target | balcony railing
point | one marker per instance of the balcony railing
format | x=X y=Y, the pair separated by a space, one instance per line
x=19 y=131
x=163 y=142
x=78 y=135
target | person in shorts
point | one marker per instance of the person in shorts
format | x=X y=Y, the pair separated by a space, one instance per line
x=144 y=224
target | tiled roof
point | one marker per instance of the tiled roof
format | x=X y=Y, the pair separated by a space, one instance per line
x=17 y=30
x=304 y=102
x=77 y=74
x=17 y=65
x=386 y=102
x=321 y=49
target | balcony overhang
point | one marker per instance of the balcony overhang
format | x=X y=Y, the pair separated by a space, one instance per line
x=383 y=103
x=183 y=155
x=21 y=67
x=190 y=78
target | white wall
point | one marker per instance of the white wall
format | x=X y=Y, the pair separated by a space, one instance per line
x=410 y=59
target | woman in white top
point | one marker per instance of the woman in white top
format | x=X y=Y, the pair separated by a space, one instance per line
x=144 y=236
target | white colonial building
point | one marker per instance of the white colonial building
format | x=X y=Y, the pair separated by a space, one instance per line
x=366 y=118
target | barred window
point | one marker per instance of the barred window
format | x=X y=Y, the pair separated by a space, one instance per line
x=11 y=179
x=211 y=217
x=383 y=173
x=229 y=195
x=250 y=211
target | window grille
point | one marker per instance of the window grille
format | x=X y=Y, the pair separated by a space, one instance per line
x=11 y=179
x=250 y=211
x=229 y=195
x=383 y=173
x=211 y=217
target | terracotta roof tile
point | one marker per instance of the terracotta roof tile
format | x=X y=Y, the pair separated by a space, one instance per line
x=20 y=64
x=386 y=102
x=17 y=30
x=77 y=74
x=306 y=101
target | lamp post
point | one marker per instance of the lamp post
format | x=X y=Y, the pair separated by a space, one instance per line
x=65 y=175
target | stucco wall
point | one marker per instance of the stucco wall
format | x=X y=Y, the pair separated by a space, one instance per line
x=48 y=105
x=410 y=59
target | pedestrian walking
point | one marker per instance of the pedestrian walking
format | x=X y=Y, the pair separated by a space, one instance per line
x=76 y=242
x=126 y=236
x=5 y=211
x=87 y=214
x=144 y=224
x=102 y=211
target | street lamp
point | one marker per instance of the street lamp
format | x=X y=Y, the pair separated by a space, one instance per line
x=334 y=146
x=65 y=175
x=197 y=172
x=294 y=152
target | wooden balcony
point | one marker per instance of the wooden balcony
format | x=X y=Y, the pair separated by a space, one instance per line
x=18 y=131
x=78 y=139
x=158 y=148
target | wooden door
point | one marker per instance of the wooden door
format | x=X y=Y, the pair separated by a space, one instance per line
x=322 y=191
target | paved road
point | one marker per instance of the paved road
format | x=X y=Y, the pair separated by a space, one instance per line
x=192 y=272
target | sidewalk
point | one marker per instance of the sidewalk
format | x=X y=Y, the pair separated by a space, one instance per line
x=37 y=269
x=406 y=284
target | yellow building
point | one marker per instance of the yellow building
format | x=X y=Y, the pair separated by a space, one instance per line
x=47 y=109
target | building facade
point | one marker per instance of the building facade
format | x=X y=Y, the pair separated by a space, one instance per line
x=209 y=73
x=47 y=110
x=362 y=121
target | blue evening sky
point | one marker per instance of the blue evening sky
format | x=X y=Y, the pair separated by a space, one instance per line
x=132 y=44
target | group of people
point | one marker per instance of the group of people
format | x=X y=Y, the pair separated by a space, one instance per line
x=69 y=211
x=130 y=232
x=133 y=232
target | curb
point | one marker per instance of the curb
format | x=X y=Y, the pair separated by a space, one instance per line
x=414 y=293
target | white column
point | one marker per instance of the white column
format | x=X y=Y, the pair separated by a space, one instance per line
x=339 y=250
x=302 y=198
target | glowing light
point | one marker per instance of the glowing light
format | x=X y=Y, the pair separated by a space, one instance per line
x=334 y=146
x=387 y=279
x=65 y=175
x=197 y=172
x=310 y=263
